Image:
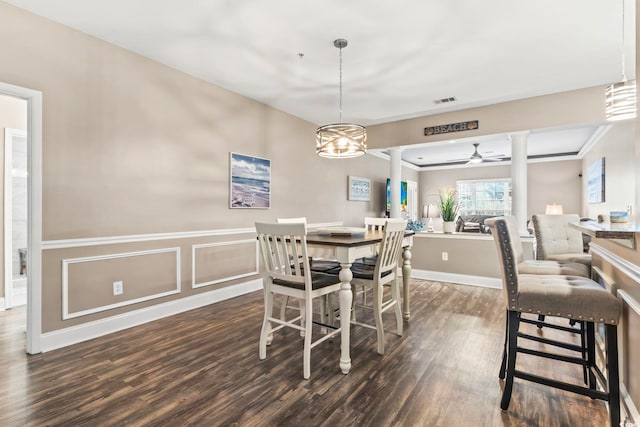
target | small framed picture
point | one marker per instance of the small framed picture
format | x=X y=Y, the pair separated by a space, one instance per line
x=250 y=182
x=359 y=189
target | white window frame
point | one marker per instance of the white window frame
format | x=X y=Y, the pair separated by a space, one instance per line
x=508 y=209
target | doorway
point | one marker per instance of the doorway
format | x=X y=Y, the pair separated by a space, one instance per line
x=15 y=212
x=27 y=258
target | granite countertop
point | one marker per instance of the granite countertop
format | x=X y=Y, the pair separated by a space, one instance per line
x=607 y=230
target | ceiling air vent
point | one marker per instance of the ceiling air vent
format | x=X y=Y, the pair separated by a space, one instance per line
x=444 y=100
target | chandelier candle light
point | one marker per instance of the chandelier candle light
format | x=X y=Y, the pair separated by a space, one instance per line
x=341 y=140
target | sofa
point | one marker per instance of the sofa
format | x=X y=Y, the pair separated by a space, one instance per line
x=472 y=224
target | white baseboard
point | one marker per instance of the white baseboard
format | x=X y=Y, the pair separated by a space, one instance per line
x=86 y=331
x=462 y=279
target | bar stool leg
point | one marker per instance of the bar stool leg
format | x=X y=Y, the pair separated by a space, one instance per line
x=512 y=346
x=613 y=378
x=503 y=365
x=583 y=344
x=591 y=354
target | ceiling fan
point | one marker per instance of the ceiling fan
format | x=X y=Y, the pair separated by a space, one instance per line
x=476 y=157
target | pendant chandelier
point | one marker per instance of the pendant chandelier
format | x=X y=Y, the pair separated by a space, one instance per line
x=621 y=97
x=341 y=140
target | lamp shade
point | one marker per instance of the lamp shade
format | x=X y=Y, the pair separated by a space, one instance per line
x=430 y=211
x=621 y=101
x=554 y=209
x=341 y=141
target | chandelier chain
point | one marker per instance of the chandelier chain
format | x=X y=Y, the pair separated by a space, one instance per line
x=624 y=65
x=340 y=85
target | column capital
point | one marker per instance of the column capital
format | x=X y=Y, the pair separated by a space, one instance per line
x=519 y=134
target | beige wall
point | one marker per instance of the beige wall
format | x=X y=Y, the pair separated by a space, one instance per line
x=617 y=147
x=133 y=147
x=13 y=115
x=583 y=106
x=468 y=254
x=548 y=182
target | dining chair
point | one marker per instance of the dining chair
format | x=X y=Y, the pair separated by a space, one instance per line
x=383 y=273
x=320 y=265
x=278 y=244
x=569 y=297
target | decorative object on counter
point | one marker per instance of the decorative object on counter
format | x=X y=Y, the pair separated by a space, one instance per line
x=618 y=216
x=416 y=226
x=600 y=218
x=341 y=140
x=430 y=211
x=448 y=210
x=553 y=209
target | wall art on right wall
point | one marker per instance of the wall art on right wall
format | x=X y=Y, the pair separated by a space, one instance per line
x=595 y=183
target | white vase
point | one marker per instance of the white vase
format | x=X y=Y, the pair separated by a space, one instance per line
x=448 y=226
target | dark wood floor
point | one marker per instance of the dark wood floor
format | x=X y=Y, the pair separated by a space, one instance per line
x=201 y=368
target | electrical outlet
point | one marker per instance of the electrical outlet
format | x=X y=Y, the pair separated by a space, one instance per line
x=445 y=256
x=118 y=288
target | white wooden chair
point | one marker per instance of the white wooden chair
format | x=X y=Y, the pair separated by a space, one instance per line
x=384 y=272
x=317 y=265
x=278 y=244
x=372 y=223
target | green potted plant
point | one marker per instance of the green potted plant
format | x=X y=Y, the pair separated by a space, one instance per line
x=448 y=210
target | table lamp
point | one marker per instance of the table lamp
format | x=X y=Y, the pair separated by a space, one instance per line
x=430 y=211
x=553 y=209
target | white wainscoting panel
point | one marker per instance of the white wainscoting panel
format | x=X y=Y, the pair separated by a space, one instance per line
x=194 y=248
x=94 y=329
x=65 y=281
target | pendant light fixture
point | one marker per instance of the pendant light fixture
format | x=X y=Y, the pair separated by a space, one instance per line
x=341 y=140
x=621 y=97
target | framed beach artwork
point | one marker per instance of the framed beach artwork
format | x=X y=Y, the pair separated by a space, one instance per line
x=250 y=182
x=359 y=189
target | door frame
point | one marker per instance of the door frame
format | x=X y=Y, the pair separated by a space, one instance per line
x=9 y=134
x=34 y=211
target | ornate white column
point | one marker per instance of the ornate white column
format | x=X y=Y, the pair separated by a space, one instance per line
x=519 y=179
x=396 y=178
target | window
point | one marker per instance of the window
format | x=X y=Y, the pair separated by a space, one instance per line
x=485 y=197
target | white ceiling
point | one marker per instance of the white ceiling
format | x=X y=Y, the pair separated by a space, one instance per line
x=401 y=55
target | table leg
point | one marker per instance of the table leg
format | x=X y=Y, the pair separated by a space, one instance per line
x=406 y=279
x=345 y=317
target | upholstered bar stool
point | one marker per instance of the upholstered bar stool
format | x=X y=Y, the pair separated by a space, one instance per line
x=548 y=267
x=557 y=241
x=569 y=297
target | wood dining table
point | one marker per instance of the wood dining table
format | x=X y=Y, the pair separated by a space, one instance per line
x=346 y=248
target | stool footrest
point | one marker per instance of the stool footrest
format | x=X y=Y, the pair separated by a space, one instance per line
x=568 y=359
x=560 y=344
x=540 y=323
x=594 y=394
